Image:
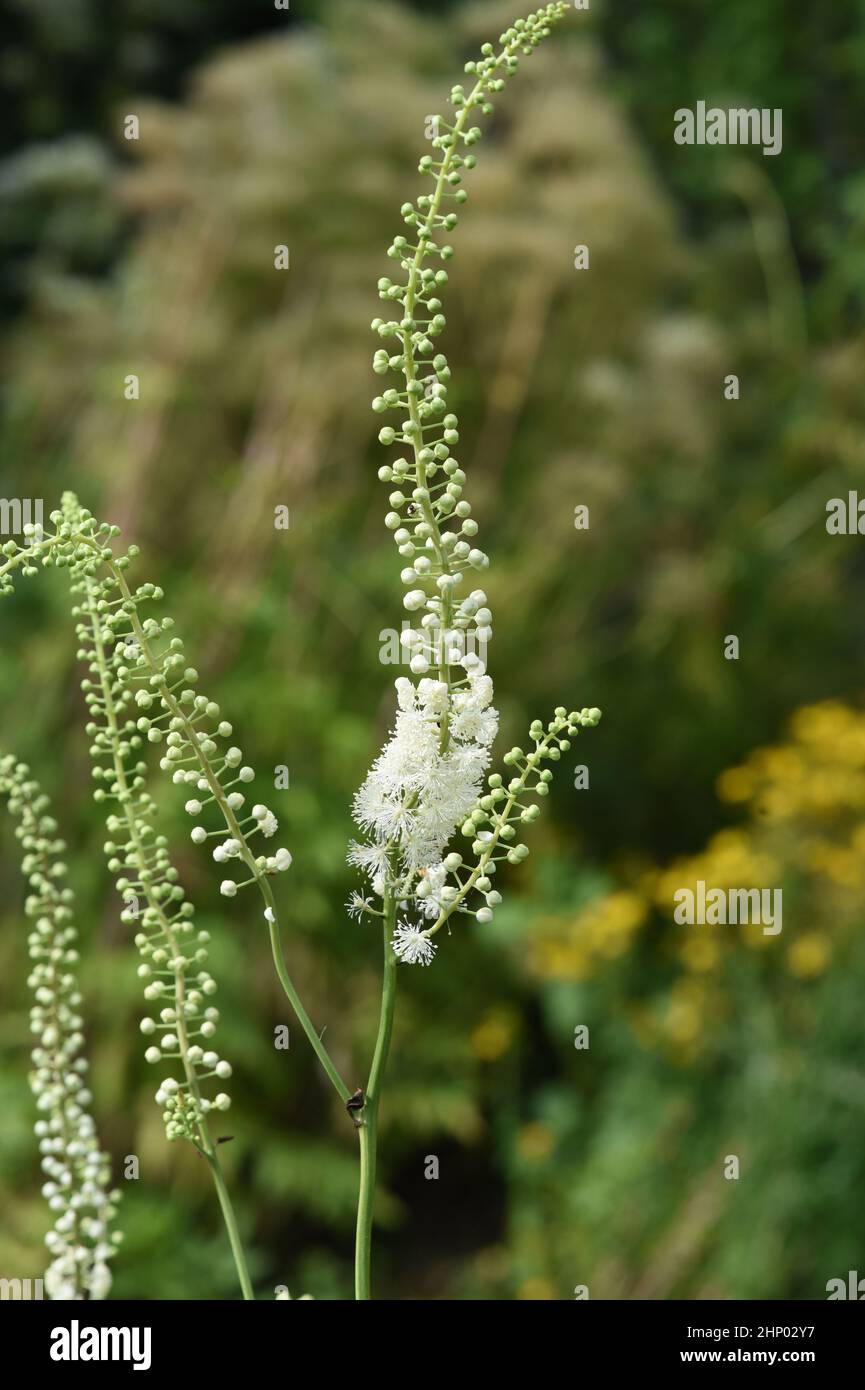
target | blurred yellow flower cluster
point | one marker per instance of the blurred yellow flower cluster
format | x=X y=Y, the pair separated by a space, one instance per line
x=732 y=859
x=572 y=946
x=804 y=802
x=818 y=775
x=494 y=1034
x=812 y=787
x=684 y=1017
x=535 y=1141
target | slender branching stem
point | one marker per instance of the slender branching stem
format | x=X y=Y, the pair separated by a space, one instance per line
x=368 y=1131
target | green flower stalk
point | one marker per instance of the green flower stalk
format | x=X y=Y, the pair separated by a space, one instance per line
x=173 y=969
x=78 y=1174
x=173 y=952
x=140 y=691
x=427 y=781
x=187 y=725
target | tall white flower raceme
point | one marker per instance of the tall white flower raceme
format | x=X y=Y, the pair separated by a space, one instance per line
x=427 y=781
x=77 y=1173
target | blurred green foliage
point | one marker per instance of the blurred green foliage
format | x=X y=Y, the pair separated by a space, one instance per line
x=603 y=387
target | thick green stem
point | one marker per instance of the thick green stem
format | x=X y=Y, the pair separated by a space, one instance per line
x=368 y=1131
x=363 y=1242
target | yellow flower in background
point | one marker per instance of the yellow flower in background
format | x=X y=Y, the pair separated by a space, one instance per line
x=494 y=1034
x=819 y=774
x=782 y=763
x=827 y=725
x=555 y=959
x=569 y=947
x=693 y=1007
x=842 y=865
x=700 y=952
x=535 y=1140
x=730 y=860
x=804 y=829
x=610 y=924
x=808 y=956
x=736 y=784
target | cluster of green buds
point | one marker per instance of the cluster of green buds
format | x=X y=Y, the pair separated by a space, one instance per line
x=430 y=518
x=77 y=1173
x=122 y=723
x=494 y=824
x=141 y=691
x=467 y=885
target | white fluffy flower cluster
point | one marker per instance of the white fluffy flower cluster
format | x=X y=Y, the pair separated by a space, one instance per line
x=416 y=795
x=410 y=945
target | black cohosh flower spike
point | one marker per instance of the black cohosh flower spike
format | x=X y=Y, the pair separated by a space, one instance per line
x=140 y=691
x=428 y=779
x=77 y=1173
